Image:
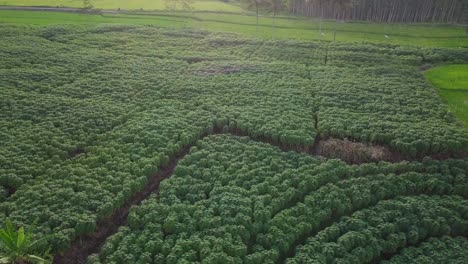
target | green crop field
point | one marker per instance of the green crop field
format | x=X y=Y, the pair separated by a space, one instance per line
x=220 y=207
x=206 y=5
x=451 y=77
x=52 y=18
x=285 y=27
x=156 y=136
x=452 y=82
x=126 y=143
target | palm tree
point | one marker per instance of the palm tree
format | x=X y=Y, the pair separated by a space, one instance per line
x=18 y=246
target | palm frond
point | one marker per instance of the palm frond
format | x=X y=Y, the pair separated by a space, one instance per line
x=37 y=259
x=5 y=260
x=18 y=246
x=7 y=240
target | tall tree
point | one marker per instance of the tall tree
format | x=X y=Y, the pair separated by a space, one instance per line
x=275 y=7
x=255 y=4
x=319 y=4
x=444 y=11
x=340 y=7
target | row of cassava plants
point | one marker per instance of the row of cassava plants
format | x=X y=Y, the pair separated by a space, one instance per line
x=386 y=228
x=433 y=250
x=88 y=113
x=235 y=200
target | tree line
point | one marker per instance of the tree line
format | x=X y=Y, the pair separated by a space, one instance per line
x=435 y=11
x=440 y=11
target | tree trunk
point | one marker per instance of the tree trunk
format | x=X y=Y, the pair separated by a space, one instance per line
x=256 y=28
x=446 y=11
x=274 y=25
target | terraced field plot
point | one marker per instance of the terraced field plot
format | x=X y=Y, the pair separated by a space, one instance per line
x=92 y=118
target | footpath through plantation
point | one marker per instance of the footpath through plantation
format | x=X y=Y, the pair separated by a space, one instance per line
x=93 y=118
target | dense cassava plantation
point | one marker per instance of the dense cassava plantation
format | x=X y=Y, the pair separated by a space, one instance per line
x=233 y=132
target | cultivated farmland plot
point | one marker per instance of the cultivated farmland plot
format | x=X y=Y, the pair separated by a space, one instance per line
x=94 y=117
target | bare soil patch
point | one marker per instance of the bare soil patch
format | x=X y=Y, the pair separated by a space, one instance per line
x=353 y=152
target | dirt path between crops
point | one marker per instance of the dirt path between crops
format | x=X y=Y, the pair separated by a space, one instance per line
x=351 y=152
x=84 y=246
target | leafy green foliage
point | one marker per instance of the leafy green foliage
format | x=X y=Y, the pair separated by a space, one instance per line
x=434 y=250
x=87 y=114
x=384 y=229
x=18 y=245
x=235 y=200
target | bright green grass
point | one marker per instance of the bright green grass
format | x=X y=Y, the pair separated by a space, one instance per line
x=207 y=5
x=449 y=76
x=286 y=28
x=313 y=33
x=309 y=29
x=50 y=18
x=452 y=81
x=458 y=103
x=382 y=29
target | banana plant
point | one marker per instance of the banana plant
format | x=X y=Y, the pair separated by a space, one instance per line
x=17 y=246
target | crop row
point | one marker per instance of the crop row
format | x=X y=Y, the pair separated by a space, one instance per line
x=386 y=228
x=292 y=225
x=87 y=114
x=434 y=250
x=238 y=201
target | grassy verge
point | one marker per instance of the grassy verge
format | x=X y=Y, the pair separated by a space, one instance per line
x=454 y=77
x=286 y=28
x=452 y=83
x=207 y=5
x=51 y=18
